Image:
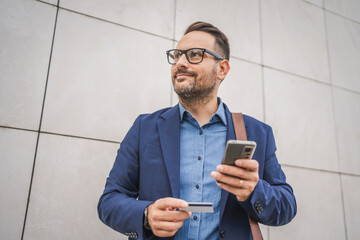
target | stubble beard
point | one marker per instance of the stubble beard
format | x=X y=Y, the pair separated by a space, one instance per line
x=198 y=91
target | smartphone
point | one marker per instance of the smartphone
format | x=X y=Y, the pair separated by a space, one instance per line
x=237 y=149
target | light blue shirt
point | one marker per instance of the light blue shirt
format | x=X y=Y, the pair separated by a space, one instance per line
x=201 y=150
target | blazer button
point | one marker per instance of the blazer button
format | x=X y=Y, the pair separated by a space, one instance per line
x=222 y=233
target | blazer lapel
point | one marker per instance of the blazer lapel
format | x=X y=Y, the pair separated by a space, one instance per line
x=169 y=132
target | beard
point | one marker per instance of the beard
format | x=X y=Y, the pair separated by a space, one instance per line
x=195 y=91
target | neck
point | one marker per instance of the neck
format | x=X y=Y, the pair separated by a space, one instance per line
x=202 y=109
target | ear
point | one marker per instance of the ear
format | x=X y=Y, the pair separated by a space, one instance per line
x=223 y=69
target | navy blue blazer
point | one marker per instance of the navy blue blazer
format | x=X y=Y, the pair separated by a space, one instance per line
x=147 y=168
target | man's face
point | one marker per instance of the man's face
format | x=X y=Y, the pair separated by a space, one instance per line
x=195 y=81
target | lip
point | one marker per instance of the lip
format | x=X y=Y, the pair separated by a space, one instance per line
x=182 y=76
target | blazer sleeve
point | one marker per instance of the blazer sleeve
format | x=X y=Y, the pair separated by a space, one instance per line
x=272 y=202
x=118 y=206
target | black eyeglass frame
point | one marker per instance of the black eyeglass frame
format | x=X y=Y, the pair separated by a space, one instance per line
x=204 y=50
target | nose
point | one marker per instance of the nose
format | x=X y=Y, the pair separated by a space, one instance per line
x=182 y=62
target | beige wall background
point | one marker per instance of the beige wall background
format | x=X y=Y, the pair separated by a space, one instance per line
x=76 y=73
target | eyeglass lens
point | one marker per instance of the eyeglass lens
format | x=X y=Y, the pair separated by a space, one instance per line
x=193 y=55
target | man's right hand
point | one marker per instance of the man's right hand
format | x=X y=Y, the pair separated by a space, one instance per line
x=163 y=217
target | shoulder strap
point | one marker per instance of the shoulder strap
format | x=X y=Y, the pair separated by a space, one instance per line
x=239 y=126
x=240 y=133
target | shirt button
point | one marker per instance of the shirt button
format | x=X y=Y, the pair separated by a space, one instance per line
x=199 y=158
x=201 y=132
x=195 y=218
x=197 y=186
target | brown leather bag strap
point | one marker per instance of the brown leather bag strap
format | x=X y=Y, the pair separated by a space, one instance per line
x=240 y=133
x=239 y=126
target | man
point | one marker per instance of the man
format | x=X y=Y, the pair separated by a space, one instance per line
x=173 y=156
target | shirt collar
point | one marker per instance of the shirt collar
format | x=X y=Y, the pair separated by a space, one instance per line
x=220 y=112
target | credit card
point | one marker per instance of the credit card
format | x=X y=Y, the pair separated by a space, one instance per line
x=199 y=207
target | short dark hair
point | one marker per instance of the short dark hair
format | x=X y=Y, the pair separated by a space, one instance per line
x=221 y=39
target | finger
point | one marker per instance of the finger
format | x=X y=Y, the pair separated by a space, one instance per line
x=249 y=164
x=174 y=203
x=176 y=216
x=240 y=194
x=166 y=229
x=228 y=187
x=161 y=233
x=229 y=180
x=170 y=216
x=168 y=226
x=235 y=171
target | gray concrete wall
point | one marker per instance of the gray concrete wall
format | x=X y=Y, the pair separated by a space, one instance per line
x=76 y=73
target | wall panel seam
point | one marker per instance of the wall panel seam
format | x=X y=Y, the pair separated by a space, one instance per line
x=319 y=170
x=262 y=62
x=334 y=119
x=341 y=16
x=115 y=23
x=330 y=11
x=41 y=116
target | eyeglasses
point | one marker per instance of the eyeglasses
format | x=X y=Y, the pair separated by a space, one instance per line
x=193 y=55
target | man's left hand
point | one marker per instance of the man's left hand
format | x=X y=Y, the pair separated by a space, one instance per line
x=239 y=180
